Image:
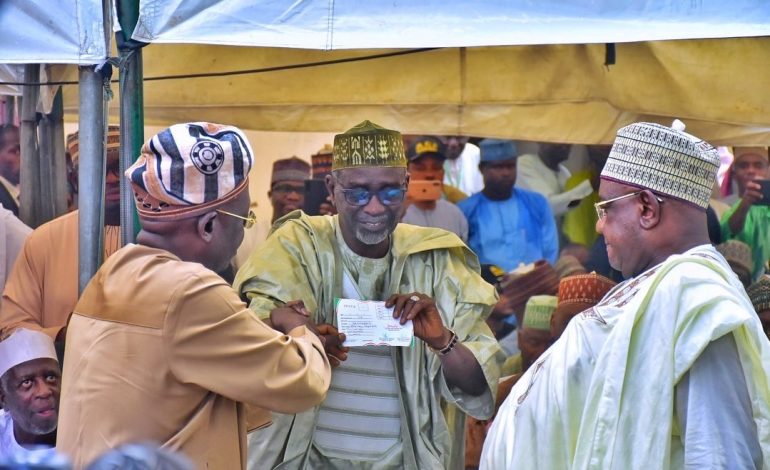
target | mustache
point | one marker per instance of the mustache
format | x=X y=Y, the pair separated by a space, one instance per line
x=374 y=220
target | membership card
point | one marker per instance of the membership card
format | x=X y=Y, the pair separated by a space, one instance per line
x=369 y=323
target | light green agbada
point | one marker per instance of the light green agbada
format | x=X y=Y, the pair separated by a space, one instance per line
x=301 y=260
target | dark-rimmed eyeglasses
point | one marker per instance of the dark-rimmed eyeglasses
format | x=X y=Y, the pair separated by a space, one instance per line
x=288 y=188
x=248 y=221
x=601 y=207
x=361 y=196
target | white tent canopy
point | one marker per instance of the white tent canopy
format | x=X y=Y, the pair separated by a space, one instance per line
x=360 y=24
x=53 y=32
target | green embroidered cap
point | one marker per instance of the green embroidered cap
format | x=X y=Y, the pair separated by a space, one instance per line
x=537 y=313
x=368 y=145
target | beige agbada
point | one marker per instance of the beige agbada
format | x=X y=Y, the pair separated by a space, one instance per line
x=164 y=350
x=42 y=288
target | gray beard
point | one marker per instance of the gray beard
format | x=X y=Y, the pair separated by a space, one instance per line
x=33 y=428
x=371 y=238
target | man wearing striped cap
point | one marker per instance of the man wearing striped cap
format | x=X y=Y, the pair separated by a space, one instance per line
x=159 y=347
x=384 y=407
x=671 y=368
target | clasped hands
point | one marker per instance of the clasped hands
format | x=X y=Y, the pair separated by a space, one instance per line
x=421 y=309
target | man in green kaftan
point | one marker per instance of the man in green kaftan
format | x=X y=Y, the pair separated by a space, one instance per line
x=670 y=369
x=388 y=407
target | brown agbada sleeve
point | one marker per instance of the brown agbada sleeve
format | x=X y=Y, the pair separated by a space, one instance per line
x=256 y=365
x=22 y=303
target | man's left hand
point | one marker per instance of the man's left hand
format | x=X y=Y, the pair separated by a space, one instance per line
x=425 y=317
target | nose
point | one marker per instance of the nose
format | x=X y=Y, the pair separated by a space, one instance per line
x=43 y=389
x=112 y=177
x=374 y=206
x=600 y=226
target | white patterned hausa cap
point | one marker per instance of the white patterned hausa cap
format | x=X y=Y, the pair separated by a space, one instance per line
x=666 y=160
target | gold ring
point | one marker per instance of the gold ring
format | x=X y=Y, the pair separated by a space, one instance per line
x=414 y=298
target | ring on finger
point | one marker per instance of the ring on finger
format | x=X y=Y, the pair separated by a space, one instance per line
x=414 y=298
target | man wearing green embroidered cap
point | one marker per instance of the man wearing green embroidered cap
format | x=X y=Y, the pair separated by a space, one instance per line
x=384 y=409
x=670 y=369
x=535 y=331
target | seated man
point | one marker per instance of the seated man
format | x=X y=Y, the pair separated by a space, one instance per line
x=545 y=174
x=287 y=193
x=738 y=256
x=461 y=168
x=29 y=395
x=507 y=225
x=759 y=293
x=576 y=294
x=385 y=408
x=747 y=220
x=426 y=158
x=160 y=332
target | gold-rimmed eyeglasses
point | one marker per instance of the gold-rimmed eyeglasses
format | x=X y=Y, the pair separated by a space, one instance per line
x=248 y=221
x=601 y=206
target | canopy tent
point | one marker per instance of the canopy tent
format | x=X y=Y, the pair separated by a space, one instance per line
x=43 y=32
x=560 y=90
x=514 y=68
x=542 y=93
x=360 y=24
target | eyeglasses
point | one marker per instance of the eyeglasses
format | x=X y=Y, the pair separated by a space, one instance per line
x=362 y=196
x=288 y=188
x=248 y=221
x=601 y=207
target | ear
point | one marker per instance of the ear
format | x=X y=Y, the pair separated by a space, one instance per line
x=330 y=183
x=205 y=226
x=649 y=216
x=408 y=177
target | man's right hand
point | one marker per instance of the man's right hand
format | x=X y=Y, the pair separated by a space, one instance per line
x=290 y=316
x=332 y=340
x=752 y=193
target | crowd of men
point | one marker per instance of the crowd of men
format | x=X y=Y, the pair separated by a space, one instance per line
x=613 y=317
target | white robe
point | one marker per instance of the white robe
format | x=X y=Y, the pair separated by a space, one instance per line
x=603 y=396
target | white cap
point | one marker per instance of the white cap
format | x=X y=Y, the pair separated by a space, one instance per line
x=25 y=345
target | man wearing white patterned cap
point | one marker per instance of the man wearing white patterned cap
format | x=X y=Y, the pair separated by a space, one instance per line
x=160 y=332
x=29 y=395
x=670 y=369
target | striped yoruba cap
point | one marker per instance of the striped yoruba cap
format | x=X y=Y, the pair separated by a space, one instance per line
x=112 y=143
x=664 y=159
x=368 y=145
x=188 y=169
x=537 y=313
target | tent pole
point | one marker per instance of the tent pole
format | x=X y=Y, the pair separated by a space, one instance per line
x=91 y=174
x=46 y=189
x=131 y=112
x=60 y=191
x=29 y=178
